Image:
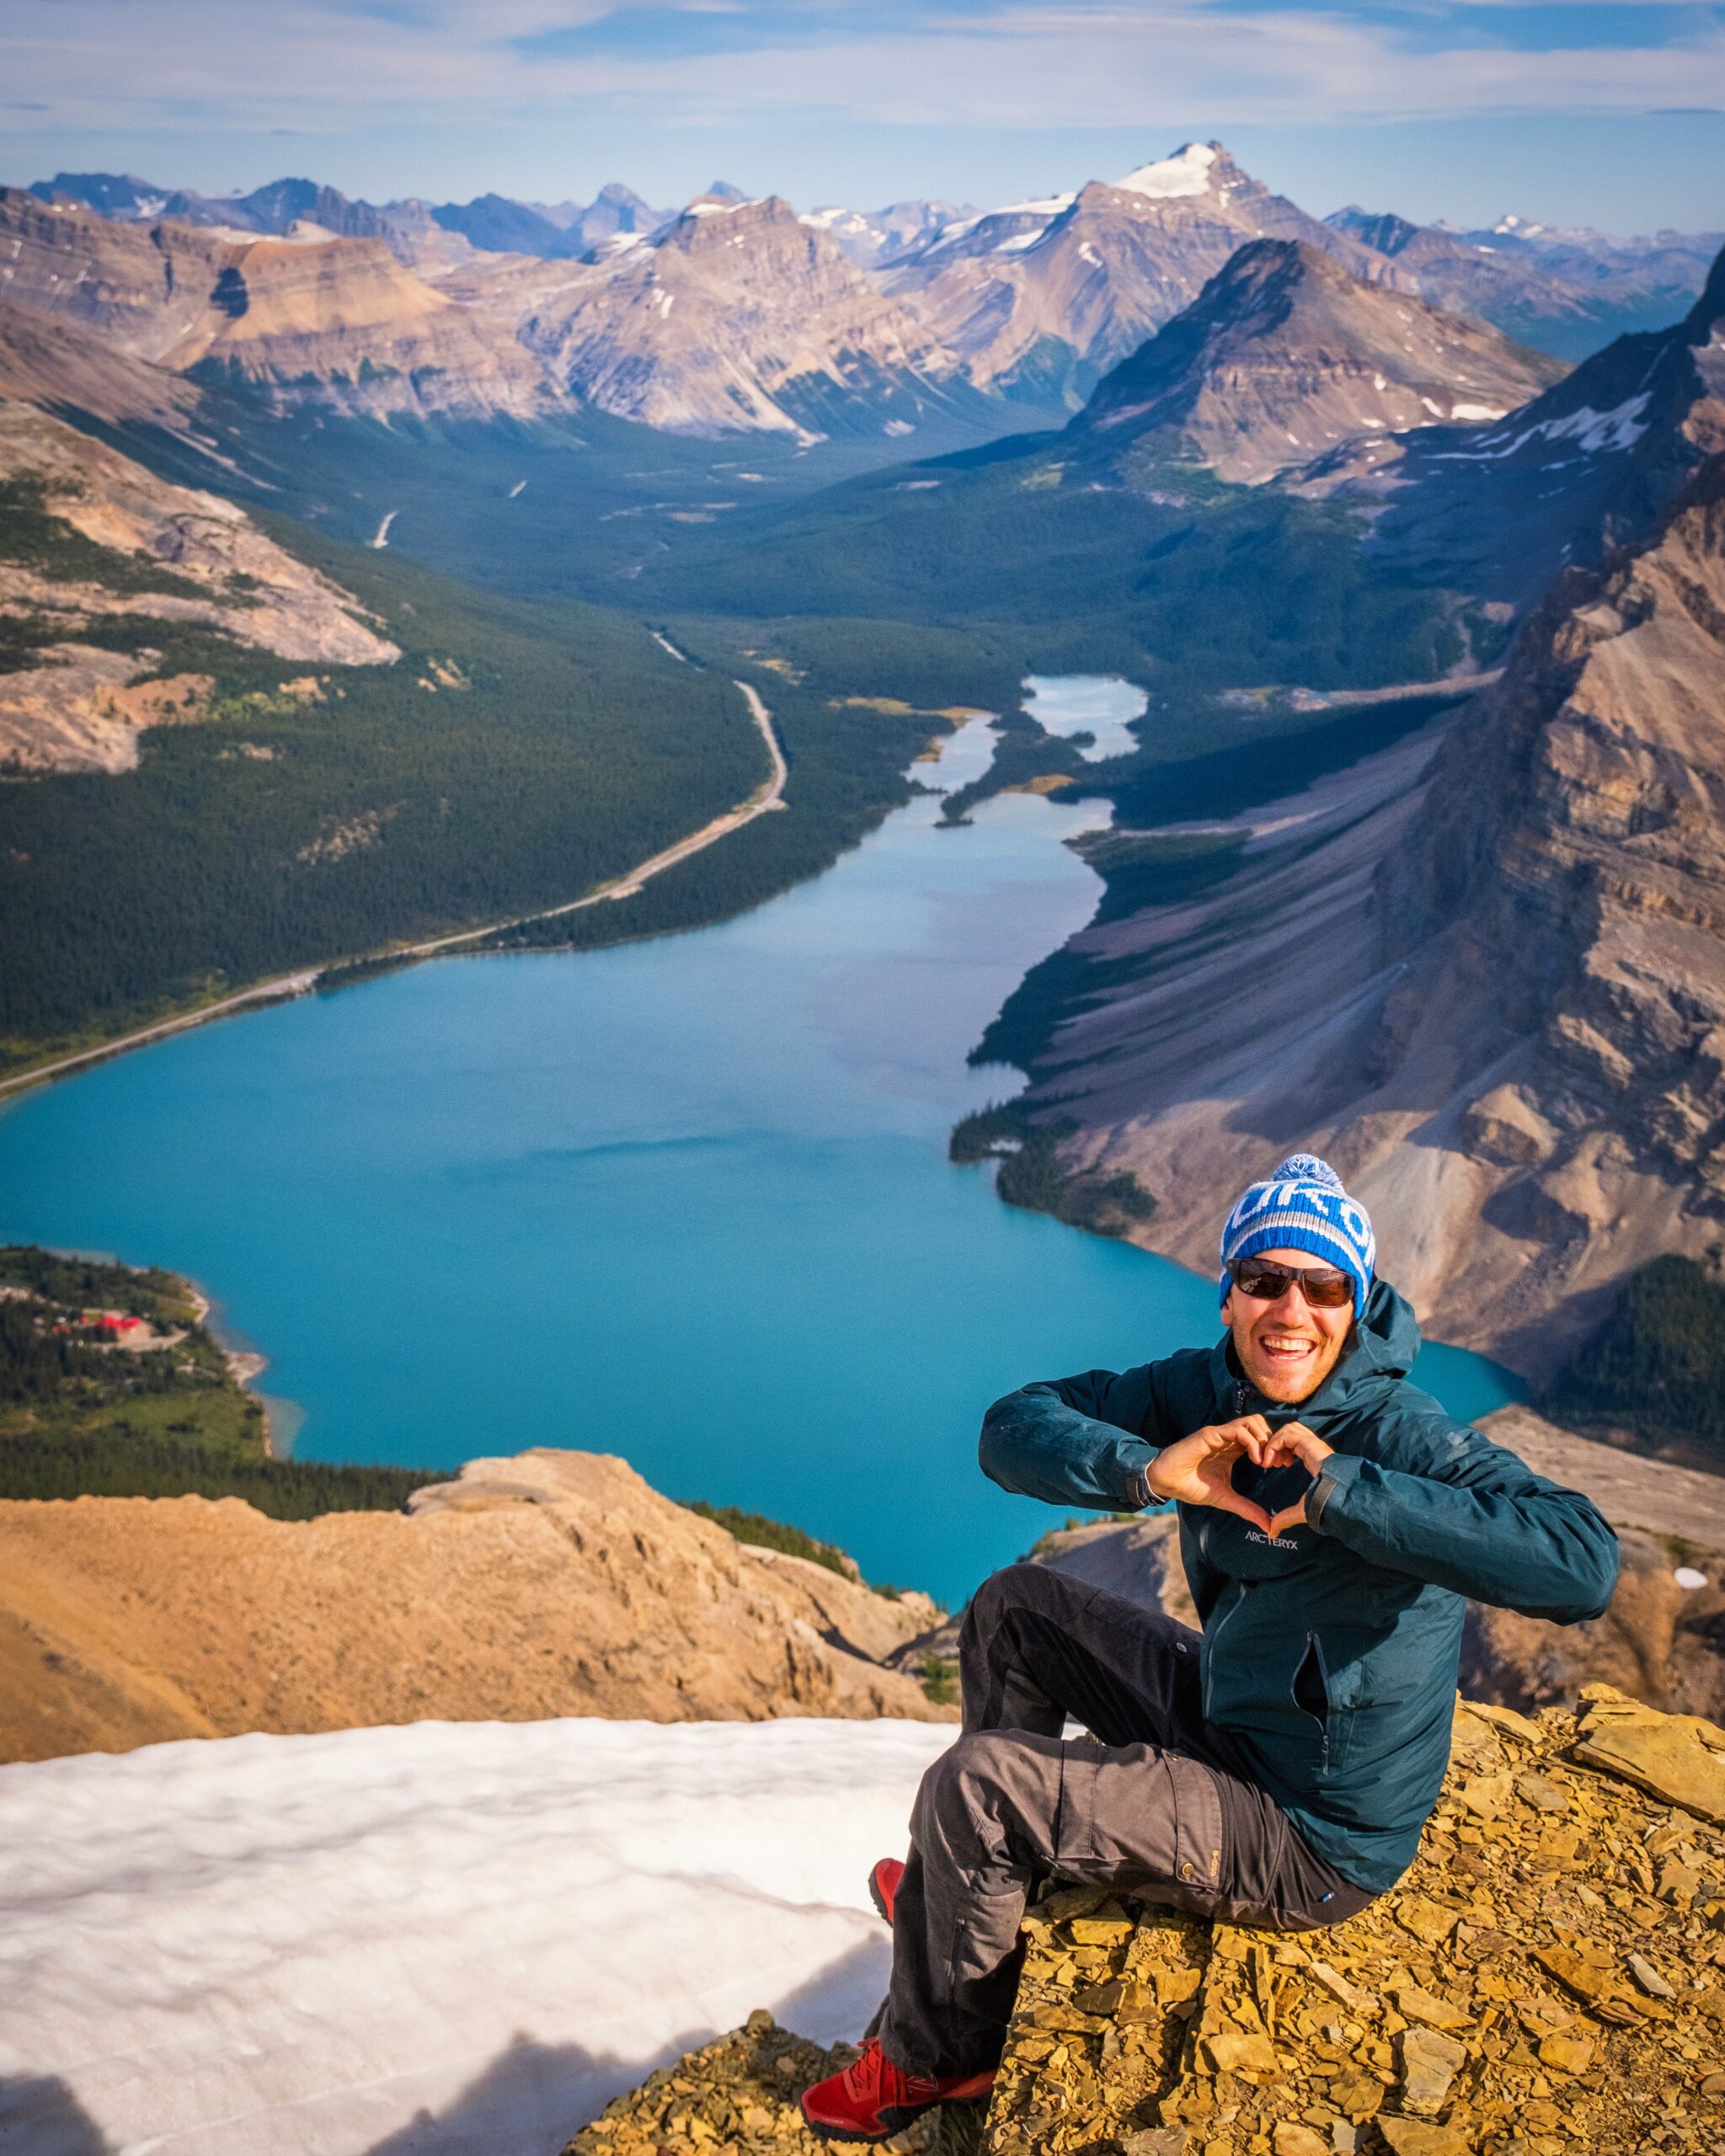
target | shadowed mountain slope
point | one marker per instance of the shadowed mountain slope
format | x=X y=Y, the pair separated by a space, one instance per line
x=1590 y=464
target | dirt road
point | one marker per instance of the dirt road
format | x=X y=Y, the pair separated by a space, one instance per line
x=769 y=795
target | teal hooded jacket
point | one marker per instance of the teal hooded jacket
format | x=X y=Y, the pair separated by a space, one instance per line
x=1331 y=1653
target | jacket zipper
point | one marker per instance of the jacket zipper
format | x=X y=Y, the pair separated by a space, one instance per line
x=1316 y=1645
x=1209 y=1667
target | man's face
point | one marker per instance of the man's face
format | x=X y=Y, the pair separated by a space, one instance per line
x=1287 y=1349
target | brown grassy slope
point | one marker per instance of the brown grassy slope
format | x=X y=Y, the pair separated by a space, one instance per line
x=555 y=1583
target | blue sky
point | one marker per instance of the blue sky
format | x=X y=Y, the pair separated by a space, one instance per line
x=1610 y=113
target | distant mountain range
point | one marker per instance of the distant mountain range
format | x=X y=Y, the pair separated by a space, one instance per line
x=1036 y=298
x=1188 y=312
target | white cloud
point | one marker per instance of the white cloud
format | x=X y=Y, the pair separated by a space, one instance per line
x=315 y=63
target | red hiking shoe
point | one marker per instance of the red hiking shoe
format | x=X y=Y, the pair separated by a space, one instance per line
x=870 y=2100
x=883 y=1885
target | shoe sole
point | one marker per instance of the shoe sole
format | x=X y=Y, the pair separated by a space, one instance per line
x=880 y=1904
x=901 y=2115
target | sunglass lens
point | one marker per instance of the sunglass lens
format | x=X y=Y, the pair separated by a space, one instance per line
x=1267 y=1284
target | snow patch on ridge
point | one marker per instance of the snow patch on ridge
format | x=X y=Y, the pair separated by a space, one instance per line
x=1620 y=429
x=498 y=1924
x=1049 y=206
x=1186 y=173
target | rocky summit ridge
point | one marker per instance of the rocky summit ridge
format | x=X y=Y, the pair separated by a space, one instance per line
x=1548 y=1977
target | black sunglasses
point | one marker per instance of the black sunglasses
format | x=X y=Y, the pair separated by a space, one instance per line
x=1323 y=1286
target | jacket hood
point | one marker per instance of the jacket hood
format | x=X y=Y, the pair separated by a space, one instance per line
x=1385 y=1342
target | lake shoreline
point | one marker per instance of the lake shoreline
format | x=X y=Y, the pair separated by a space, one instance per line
x=686 y=1198
x=326 y=973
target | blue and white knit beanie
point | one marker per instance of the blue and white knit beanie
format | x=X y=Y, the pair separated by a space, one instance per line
x=1301 y=1205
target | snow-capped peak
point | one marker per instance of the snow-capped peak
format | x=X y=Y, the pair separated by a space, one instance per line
x=824 y=221
x=1186 y=173
x=1050 y=205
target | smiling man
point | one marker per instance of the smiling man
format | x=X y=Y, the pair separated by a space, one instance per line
x=1275 y=1769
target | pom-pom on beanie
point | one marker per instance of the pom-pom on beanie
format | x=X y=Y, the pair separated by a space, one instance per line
x=1301 y=1205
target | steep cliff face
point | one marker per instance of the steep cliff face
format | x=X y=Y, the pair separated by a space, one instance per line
x=1561 y=921
x=341 y=320
x=1483 y=974
x=552 y=1583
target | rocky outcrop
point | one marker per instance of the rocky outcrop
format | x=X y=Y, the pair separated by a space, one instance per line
x=552 y=1583
x=1284 y=354
x=84 y=708
x=161 y=552
x=738 y=2094
x=1549 y=1975
x=1551 y=1970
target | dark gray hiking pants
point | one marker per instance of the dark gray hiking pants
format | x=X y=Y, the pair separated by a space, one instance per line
x=1163 y=1808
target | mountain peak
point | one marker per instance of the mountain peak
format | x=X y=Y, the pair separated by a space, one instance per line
x=1189 y=171
x=721 y=220
x=1283 y=354
x=1710 y=308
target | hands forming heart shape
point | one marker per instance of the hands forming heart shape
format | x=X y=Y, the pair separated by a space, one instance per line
x=1199 y=1469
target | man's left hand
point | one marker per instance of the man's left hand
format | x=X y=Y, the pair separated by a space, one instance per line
x=1294 y=1441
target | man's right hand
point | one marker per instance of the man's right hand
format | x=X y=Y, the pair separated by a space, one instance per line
x=1198 y=1470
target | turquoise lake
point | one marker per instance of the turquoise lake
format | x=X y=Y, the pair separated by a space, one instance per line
x=686 y=1201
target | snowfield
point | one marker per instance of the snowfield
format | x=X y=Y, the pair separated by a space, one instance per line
x=449 y=1937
